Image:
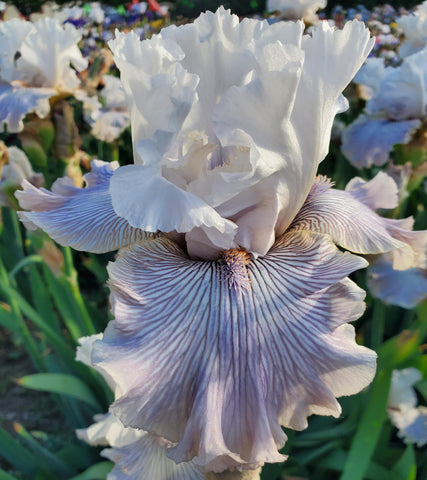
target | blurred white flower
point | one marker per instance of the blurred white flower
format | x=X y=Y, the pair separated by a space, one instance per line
x=110 y=116
x=49 y=9
x=410 y=420
x=231 y=300
x=294 y=9
x=34 y=66
x=414 y=27
x=15 y=167
x=403 y=287
x=396 y=107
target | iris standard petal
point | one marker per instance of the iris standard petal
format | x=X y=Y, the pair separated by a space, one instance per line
x=216 y=355
x=82 y=218
x=368 y=141
x=354 y=225
x=12 y=34
x=153 y=203
x=49 y=49
x=323 y=81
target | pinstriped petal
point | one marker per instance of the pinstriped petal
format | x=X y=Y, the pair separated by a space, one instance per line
x=216 y=355
x=349 y=217
x=138 y=455
x=82 y=218
x=146 y=459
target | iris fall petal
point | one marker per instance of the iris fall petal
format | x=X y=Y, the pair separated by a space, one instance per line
x=268 y=345
x=82 y=218
x=348 y=216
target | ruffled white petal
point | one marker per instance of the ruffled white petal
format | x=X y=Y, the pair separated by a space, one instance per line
x=109 y=125
x=247 y=93
x=405 y=288
x=217 y=355
x=49 y=49
x=401 y=95
x=319 y=96
x=82 y=218
x=146 y=459
x=402 y=395
x=349 y=218
x=410 y=420
x=368 y=141
x=411 y=425
x=17 y=101
x=152 y=203
x=109 y=431
x=12 y=34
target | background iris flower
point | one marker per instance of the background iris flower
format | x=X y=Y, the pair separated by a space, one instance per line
x=35 y=66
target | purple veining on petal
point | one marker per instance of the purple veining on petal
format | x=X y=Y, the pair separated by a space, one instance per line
x=218 y=372
x=82 y=218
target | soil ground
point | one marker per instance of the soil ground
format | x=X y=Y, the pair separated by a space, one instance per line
x=35 y=411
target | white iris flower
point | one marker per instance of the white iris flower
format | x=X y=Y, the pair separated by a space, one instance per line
x=396 y=108
x=231 y=300
x=34 y=66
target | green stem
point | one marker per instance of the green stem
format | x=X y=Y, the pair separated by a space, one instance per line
x=71 y=274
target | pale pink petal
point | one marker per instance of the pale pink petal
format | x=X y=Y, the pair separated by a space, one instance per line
x=217 y=355
x=82 y=218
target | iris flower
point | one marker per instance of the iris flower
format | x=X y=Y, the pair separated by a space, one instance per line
x=405 y=415
x=111 y=117
x=414 y=27
x=230 y=297
x=393 y=113
x=294 y=9
x=35 y=66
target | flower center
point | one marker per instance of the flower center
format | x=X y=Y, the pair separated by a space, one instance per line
x=233 y=264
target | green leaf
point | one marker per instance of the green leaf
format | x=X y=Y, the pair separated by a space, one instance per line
x=58 y=343
x=16 y=454
x=368 y=432
x=62 y=384
x=336 y=460
x=6 y=476
x=406 y=467
x=8 y=319
x=96 y=472
x=46 y=459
